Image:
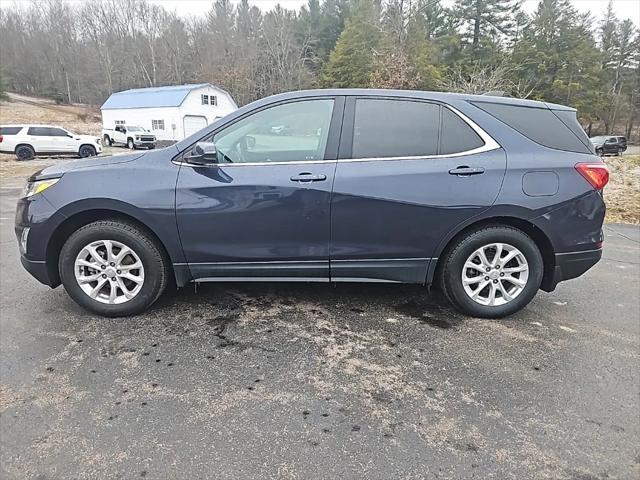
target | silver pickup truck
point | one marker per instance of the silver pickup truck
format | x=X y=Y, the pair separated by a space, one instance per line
x=132 y=136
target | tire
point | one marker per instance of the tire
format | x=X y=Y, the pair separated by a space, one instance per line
x=130 y=144
x=599 y=152
x=145 y=249
x=151 y=147
x=464 y=250
x=87 y=151
x=108 y=141
x=25 y=152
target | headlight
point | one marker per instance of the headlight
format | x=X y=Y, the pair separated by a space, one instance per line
x=99 y=141
x=38 y=187
x=137 y=137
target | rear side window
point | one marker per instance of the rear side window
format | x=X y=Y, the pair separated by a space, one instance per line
x=405 y=128
x=395 y=128
x=538 y=124
x=456 y=135
x=38 y=131
x=9 y=130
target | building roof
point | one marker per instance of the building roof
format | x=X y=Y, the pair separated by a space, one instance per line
x=171 y=96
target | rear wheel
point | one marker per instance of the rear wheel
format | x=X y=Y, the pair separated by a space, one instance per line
x=492 y=272
x=87 y=151
x=113 y=268
x=25 y=152
x=107 y=140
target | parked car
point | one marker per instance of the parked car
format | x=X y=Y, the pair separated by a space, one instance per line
x=489 y=198
x=609 y=144
x=131 y=136
x=27 y=141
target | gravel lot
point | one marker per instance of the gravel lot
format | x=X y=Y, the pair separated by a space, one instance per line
x=315 y=381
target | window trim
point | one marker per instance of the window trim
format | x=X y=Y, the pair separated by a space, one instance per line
x=346 y=146
x=333 y=138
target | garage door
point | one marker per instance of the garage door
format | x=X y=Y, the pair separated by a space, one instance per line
x=193 y=123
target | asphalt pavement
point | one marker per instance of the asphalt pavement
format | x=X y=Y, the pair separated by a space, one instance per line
x=295 y=381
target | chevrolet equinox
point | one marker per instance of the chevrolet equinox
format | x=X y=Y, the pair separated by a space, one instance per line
x=489 y=198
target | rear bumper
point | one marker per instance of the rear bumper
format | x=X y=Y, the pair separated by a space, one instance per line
x=571 y=265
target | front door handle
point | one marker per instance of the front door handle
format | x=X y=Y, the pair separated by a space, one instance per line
x=465 y=171
x=308 y=177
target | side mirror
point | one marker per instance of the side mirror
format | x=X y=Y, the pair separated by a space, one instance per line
x=204 y=153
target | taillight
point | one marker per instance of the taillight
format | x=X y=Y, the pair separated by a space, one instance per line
x=597 y=174
x=1 y=138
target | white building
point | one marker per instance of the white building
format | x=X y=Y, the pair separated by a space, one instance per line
x=171 y=113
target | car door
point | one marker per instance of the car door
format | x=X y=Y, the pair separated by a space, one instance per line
x=408 y=172
x=62 y=141
x=611 y=145
x=40 y=139
x=263 y=210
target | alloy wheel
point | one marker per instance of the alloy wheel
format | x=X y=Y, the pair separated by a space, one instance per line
x=109 y=272
x=495 y=274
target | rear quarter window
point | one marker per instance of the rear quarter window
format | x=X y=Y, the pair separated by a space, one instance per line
x=10 y=130
x=541 y=125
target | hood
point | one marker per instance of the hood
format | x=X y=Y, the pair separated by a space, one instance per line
x=62 y=168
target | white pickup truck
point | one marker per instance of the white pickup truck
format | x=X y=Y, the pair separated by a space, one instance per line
x=132 y=136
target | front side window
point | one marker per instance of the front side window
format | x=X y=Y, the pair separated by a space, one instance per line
x=157 y=124
x=291 y=132
x=57 y=132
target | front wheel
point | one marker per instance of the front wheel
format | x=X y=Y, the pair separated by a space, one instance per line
x=113 y=268
x=599 y=152
x=130 y=144
x=87 y=151
x=492 y=272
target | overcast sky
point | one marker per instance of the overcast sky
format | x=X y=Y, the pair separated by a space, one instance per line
x=623 y=8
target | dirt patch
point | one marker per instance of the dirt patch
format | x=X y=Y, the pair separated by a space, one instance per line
x=80 y=119
x=622 y=195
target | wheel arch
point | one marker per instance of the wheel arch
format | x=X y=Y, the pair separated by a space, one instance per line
x=540 y=238
x=84 y=217
x=24 y=144
x=87 y=145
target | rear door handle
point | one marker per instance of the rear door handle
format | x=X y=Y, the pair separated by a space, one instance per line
x=465 y=171
x=308 y=177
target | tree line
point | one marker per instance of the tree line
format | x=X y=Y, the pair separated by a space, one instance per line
x=83 y=53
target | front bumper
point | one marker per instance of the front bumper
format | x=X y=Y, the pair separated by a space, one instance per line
x=571 y=265
x=144 y=143
x=38 y=269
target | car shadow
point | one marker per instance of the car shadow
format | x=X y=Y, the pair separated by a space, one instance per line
x=345 y=299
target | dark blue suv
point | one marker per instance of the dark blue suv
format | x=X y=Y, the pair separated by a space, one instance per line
x=489 y=198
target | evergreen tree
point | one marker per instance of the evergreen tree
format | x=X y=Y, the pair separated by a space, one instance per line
x=485 y=22
x=350 y=63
